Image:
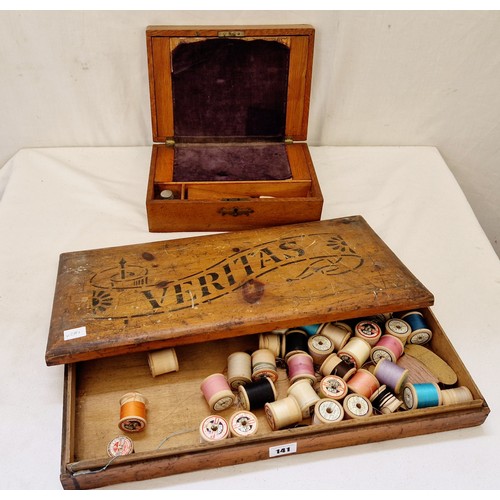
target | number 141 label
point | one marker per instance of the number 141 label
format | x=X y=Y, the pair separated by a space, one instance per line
x=284 y=449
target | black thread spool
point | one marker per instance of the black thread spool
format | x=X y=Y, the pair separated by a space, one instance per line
x=257 y=394
x=295 y=342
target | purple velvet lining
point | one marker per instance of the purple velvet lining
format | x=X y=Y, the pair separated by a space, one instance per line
x=248 y=162
x=230 y=88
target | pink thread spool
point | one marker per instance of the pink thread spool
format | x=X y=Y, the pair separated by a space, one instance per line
x=301 y=366
x=356 y=351
x=387 y=347
x=390 y=374
x=363 y=382
x=369 y=331
x=217 y=392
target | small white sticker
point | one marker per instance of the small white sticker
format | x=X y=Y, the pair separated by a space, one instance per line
x=284 y=449
x=75 y=333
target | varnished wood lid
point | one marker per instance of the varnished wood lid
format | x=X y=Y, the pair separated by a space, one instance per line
x=162 y=41
x=143 y=297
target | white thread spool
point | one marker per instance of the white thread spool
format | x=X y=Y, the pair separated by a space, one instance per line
x=327 y=411
x=239 y=369
x=264 y=365
x=214 y=428
x=338 y=332
x=356 y=351
x=271 y=341
x=243 y=424
x=456 y=395
x=320 y=347
x=283 y=413
x=357 y=406
x=163 y=361
x=398 y=328
x=119 y=446
x=305 y=395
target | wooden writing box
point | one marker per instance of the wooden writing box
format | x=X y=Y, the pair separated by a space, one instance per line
x=229 y=111
x=206 y=298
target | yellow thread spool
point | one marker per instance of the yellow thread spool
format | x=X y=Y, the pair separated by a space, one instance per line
x=456 y=395
x=283 y=413
x=338 y=332
x=305 y=395
x=356 y=351
x=164 y=361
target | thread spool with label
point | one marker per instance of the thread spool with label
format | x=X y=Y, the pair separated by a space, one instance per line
x=214 y=428
x=368 y=331
x=217 y=393
x=163 y=361
x=398 y=328
x=357 y=406
x=239 y=369
x=363 y=382
x=420 y=331
x=387 y=347
x=384 y=401
x=271 y=341
x=132 y=412
x=119 y=446
x=338 y=332
x=333 y=365
x=425 y=395
x=264 y=365
x=305 y=395
x=456 y=395
x=256 y=394
x=301 y=366
x=333 y=387
x=243 y=424
x=295 y=341
x=390 y=374
x=356 y=351
x=283 y=413
x=327 y=411
x=320 y=347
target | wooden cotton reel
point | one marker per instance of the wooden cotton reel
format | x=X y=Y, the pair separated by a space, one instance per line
x=305 y=395
x=132 y=412
x=283 y=413
x=217 y=392
x=239 y=369
x=164 y=361
x=264 y=365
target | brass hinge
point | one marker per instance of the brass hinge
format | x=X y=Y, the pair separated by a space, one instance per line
x=169 y=142
x=288 y=140
x=224 y=34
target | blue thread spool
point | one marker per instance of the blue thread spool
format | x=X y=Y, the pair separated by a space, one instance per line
x=420 y=332
x=312 y=329
x=422 y=395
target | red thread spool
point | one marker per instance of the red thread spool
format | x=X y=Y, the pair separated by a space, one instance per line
x=387 y=347
x=217 y=392
x=301 y=366
x=369 y=331
x=363 y=382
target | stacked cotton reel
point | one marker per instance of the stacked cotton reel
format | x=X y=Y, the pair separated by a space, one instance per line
x=327 y=411
x=368 y=331
x=283 y=413
x=384 y=401
x=398 y=328
x=256 y=394
x=163 y=361
x=387 y=347
x=217 y=393
x=305 y=396
x=420 y=331
x=239 y=369
x=356 y=352
x=455 y=396
x=214 y=428
x=243 y=424
x=264 y=365
x=132 y=412
x=338 y=332
x=320 y=347
x=333 y=365
x=391 y=374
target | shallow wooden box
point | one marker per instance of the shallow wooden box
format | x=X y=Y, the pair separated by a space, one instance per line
x=229 y=131
x=209 y=297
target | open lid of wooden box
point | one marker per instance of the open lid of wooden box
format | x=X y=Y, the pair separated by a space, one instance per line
x=230 y=83
x=143 y=297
